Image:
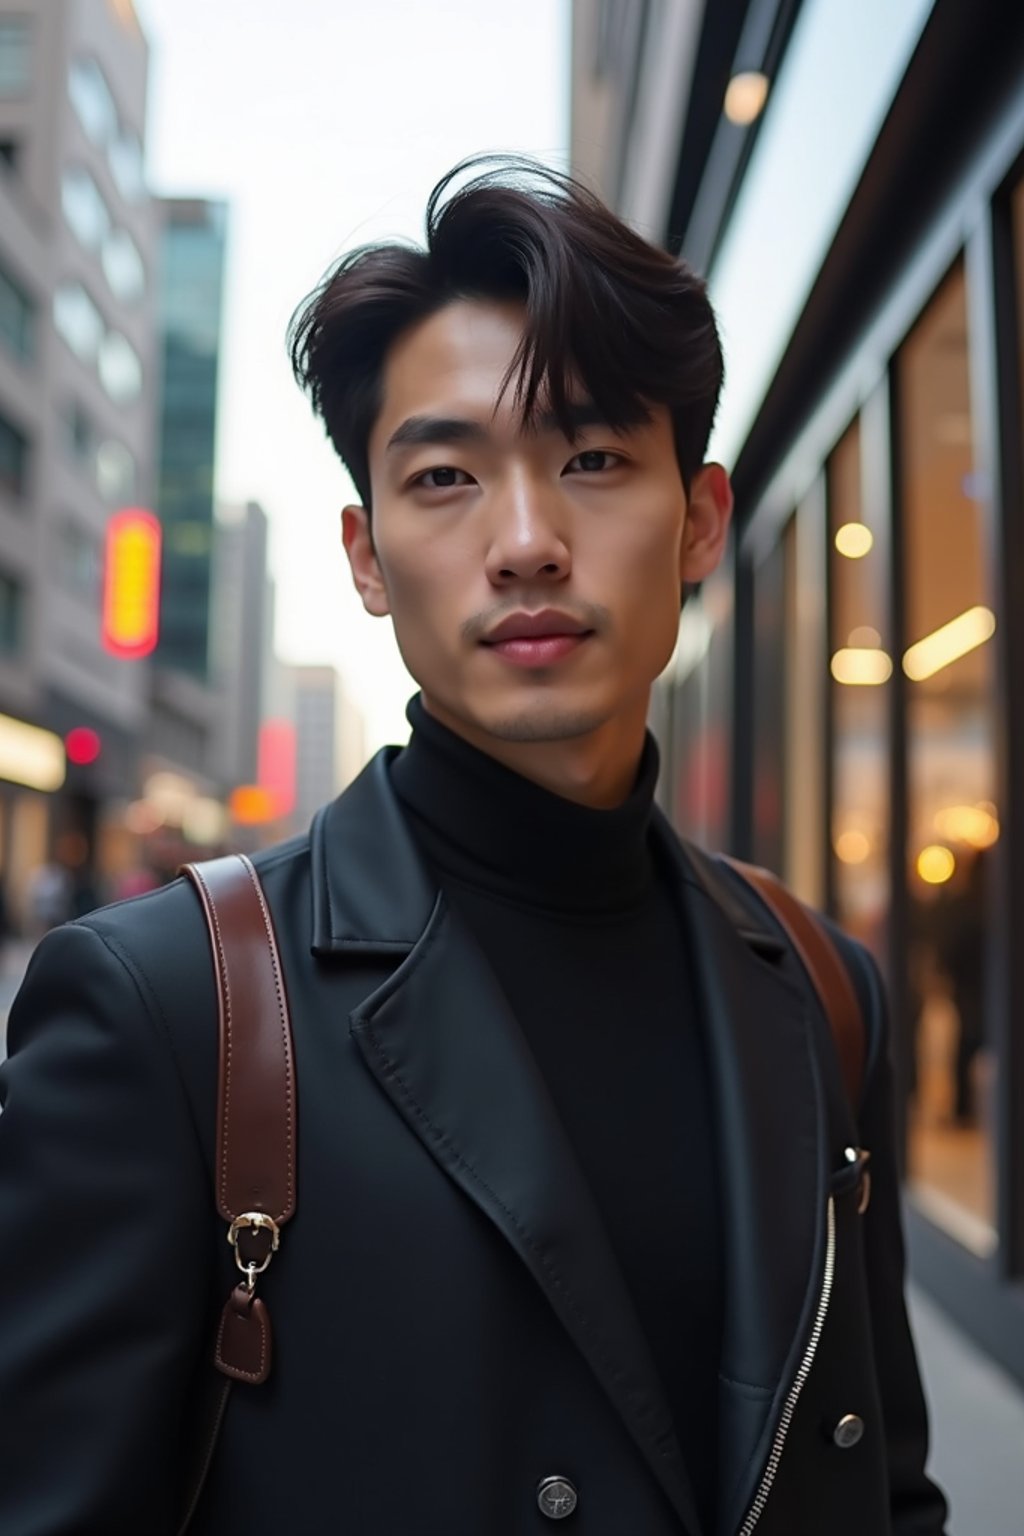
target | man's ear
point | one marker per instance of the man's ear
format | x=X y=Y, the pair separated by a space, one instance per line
x=708 y=514
x=362 y=558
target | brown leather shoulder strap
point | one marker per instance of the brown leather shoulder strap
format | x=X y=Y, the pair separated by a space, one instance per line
x=256 y=1110
x=826 y=969
x=256 y=1097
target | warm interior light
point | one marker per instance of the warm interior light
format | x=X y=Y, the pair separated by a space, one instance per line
x=31 y=756
x=972 y=824
x=745 y=96
x=948 y=644
x=854 y=540
x=935 y=864
x=143 y=818
x=853 y=847
x=866 y=668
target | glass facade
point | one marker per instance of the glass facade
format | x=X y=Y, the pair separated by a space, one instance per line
x=860 y=678
x=192 y=272
x=952 y=816
x=876 y=737
x=17 y=317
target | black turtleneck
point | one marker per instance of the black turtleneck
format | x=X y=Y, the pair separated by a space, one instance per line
x=583 y=935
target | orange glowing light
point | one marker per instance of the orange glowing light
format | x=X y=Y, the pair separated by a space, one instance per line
x=131 y=583
x=251 y=805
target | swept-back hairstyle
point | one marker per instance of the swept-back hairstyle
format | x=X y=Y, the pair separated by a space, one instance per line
x=606 y=313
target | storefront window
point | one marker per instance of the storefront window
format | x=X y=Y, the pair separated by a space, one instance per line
x=953 y=820
x=805 y=649
x=770 y=709
x=701 y=715
x=861 y=667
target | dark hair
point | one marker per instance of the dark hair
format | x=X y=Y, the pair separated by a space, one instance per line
x=605 y=311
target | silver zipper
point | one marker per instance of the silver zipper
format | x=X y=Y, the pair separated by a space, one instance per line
x=779 y=1443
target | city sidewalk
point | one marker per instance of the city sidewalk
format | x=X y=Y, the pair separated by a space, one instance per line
x=977 y=1417
x=977 y=1411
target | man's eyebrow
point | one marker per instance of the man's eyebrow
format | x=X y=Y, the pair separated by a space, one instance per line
x=417 y=430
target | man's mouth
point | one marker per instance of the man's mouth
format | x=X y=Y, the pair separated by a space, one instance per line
x=537 y=639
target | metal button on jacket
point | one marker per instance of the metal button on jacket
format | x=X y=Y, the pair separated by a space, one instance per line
x=849 y=1431
x=556 y=1497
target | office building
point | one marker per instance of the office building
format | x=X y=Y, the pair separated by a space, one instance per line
x=77 y=393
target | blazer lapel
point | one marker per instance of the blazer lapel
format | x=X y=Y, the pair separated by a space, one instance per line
x=773 y=1159
x=440 y=1039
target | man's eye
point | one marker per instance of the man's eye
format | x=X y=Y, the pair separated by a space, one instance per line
x=592 y=461
x=442 y=478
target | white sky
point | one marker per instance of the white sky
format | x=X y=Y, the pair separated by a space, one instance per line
x=324 y=123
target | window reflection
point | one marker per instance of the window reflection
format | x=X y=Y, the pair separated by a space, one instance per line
x=952 y=818
x=861 y=666
x=78 y=320
x=84 y=208
x=91 y=98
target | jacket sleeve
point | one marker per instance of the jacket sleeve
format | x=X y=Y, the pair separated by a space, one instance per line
x=918 y=1507
x=104 y=1228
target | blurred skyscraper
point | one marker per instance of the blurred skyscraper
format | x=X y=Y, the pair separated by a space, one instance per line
x=77 y=392
x=241 y=638
x=192 y=239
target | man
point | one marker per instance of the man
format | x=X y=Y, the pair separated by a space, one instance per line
x=578 y=1232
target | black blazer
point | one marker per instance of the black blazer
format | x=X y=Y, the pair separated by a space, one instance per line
x=451 y=1326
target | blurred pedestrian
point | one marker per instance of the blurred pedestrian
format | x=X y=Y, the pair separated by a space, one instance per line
x=582 y=1226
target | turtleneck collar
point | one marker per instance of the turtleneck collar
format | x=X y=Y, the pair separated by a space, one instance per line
x=488 y=827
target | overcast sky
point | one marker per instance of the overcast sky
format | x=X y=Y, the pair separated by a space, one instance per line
x=324 y=123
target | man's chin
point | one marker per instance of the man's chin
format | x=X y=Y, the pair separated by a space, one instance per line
x=545 y=722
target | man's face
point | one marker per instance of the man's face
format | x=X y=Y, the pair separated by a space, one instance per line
x=534 y=583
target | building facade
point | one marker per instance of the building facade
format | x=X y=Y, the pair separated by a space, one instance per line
x=846 y=702
x=77 y=403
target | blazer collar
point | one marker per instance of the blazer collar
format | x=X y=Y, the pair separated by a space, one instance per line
x=372 y=893
x=469 y=1089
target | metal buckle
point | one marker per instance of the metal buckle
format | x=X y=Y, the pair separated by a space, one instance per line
x=254 y=1221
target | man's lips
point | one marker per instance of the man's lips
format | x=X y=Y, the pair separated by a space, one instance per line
x=546 y=625
x=538 y=650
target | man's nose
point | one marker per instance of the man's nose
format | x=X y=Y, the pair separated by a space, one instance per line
x=526 y=539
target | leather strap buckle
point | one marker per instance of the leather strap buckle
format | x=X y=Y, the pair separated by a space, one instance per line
x=241 y=1234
